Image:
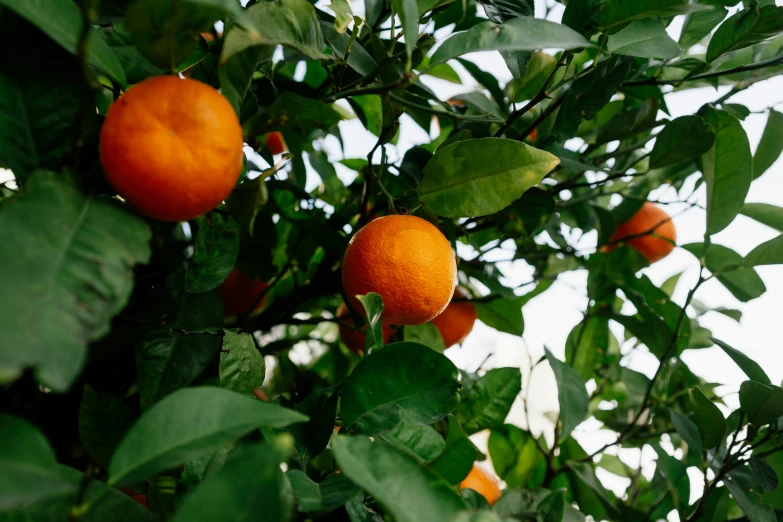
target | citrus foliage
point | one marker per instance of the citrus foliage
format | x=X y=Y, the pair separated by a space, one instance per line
x=134 y=351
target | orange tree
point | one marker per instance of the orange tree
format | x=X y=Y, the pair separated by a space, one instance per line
x=133 y=351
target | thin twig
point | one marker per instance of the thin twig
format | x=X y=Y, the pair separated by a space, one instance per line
x=715 y=74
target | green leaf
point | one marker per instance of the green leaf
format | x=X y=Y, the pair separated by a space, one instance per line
x=390 y=476
x=167 y=360
x=586 y=344
x=687 y=430
x=727 y=170
x=737 y=110
x=290 y=23
x=764 y=474
x=328 y=495
x=571 y=394
x=245 y=202
x=457 y=458
x=480 y=177
x=402 y=382
x=514 y=454
x=744 y=283
x=769 y=215
x=242 y=367
x=61 y=20
x=768 y=253
x=618 y=12
x=646 y=39
x=320 y=406
x=683 y=139
x=215 y=254
x=502 y=11
x=750 y=367
x=291 y=111
x=699 y=25
x=408 y=11
x=670 y=285
x=373 y=306
x=763 y=403
x=236 y=71
x=583 y=16
x=358 y=59
x=504 y=315
x=745 y=28
x=520 y=34
x=426 y=334
x=56 y=234
x=553 y=507
x=249 y=483
x=28 y=469
x=137 y=68
x=421 y=442
x=167 y=31
x=343 y=15
x=770 y=146
x=103 y=421
x=708 y=418
x=189 y=423
x=486 y=401
x=750 y=502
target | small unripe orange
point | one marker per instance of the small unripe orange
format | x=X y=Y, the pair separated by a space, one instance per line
x=275 y=143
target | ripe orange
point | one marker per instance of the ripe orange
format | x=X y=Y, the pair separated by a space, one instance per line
x=655 y=245
x=275 y=143
x=172 y=148
x=533 y=135
x=407 y=261
x=354 y=340
x=239 y=291
x=456 y=321
x=483 y=483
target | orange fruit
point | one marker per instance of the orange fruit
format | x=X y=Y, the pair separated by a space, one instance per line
x=406 y=260
x=483 y=483
x=275 y=143
x=533 y=135
x=456 y=321
x=141 y=499
x=654 y=244
x=172 y=148
x=354 y=340
x=239 y=291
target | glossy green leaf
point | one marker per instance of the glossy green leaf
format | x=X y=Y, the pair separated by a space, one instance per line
x=215 y=254
x=615 y=13
x=321 y=407
x=646 y=39
x=290 y=23
x=683 y=139
x=236 y=72
x=504 y=315
x=586 y=344
x=245 y=202
x=751 y=368
x=571 y=394
x=770 y=146
x=386 y=388
x=408 y=11
x=699 y=25
x=764 y=474
x=358 y=59
x=514 y=454
x=343 y=15
x=688 y=430
x=553 y=507
x=103 y=421
x=249 y=483
x=743 y=282
x=373 y=306
x=137 y=68
x=583 y=16
x=486 y=400
x=480 y=177
x=389 y=476
x=745 y=28
x=502 y=11
x=291 y=111
x=189 y=423
x=520 y=34
x=167 y=31
x=28 y=469
x=167 y=360
x=768 y=253
x=423 y=443
x=327 y=495
x=242 y=367
x=56 y=234
x=727 y=169
x=61 y=20
x=763 y=403
x=709 y=419
x=426 y=334
x=457 y=458
x=750 y=502
x=770 y=215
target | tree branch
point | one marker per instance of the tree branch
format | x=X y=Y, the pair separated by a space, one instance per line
x=778 y=60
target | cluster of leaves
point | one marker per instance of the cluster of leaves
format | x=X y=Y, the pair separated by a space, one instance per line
x=117 y=366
